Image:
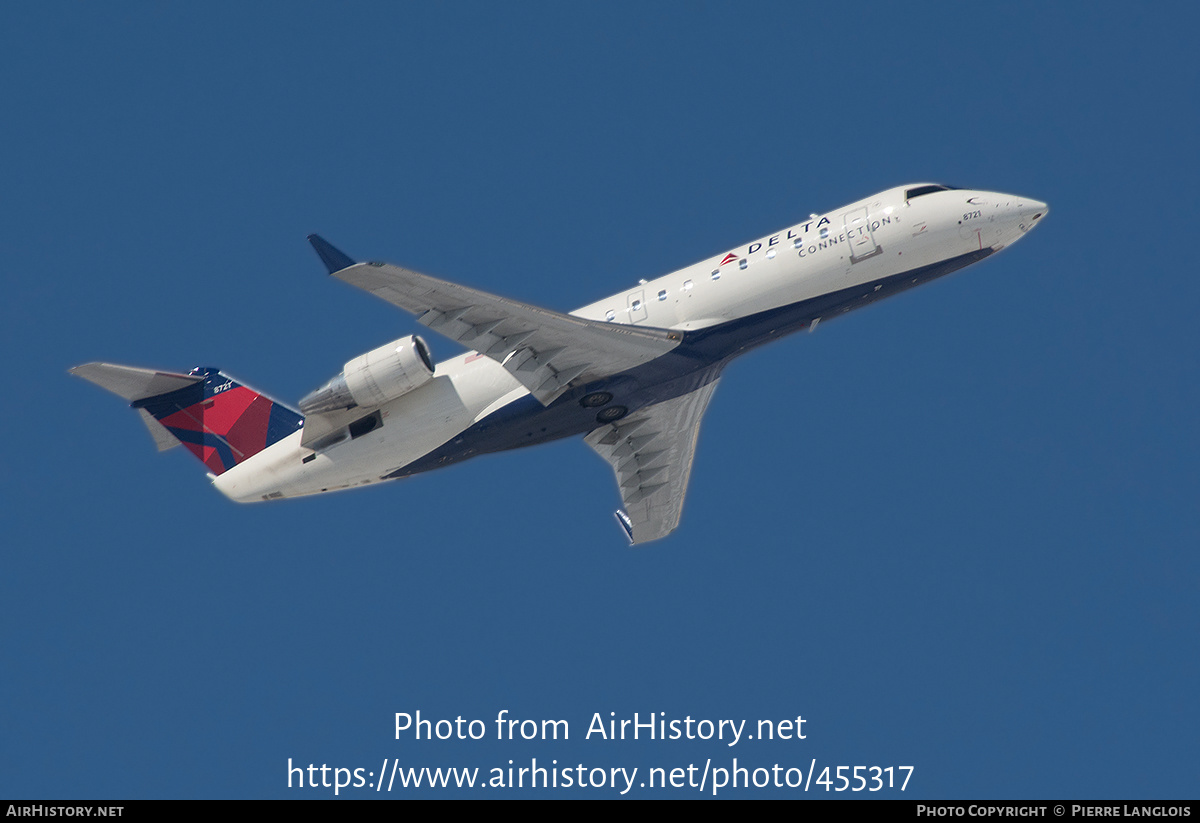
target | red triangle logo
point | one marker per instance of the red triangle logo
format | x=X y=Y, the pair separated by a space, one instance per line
x=729 y=258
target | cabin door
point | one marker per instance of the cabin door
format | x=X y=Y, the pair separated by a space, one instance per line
x=859 y=235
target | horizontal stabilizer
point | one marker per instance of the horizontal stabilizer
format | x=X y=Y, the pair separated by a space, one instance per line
x=334 y=258
x=161 y=434
x=134 y=383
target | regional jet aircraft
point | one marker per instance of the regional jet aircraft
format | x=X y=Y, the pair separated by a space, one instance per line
x=632 y=373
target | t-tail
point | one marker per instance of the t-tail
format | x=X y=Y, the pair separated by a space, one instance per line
x=219 y=420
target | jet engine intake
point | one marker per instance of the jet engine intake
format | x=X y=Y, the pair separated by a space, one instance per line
x=374 y=378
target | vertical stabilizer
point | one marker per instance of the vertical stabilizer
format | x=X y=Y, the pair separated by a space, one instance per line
x=219 y=420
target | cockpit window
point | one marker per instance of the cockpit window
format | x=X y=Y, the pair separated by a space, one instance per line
x=920 y=190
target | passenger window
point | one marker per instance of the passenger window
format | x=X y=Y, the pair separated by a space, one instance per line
x=687 y=285
x=716 y=275
x=662 y=295
x=797 y=243
x=824 y=233
x=771 y=254
x=742 y=263
x=637 y=304
x=610 y=315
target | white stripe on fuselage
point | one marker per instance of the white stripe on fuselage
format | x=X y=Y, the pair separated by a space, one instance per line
x=798 y=263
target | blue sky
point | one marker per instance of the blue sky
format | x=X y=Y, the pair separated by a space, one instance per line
x=955 y=531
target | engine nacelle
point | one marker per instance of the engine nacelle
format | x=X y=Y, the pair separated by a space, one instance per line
x=374 y=378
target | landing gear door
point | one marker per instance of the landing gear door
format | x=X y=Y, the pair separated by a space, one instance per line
x=859 y=235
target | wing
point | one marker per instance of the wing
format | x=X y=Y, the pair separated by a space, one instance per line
x=546 y=351
x=651 y=453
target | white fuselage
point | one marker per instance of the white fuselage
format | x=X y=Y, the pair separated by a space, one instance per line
x=862 y=244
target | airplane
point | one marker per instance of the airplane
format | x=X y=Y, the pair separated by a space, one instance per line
x=632 y=373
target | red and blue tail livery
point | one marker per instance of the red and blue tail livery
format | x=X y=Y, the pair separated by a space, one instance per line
x=219 y=420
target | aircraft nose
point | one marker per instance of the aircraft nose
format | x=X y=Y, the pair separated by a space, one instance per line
x=1020 y=214
x=1010 y=218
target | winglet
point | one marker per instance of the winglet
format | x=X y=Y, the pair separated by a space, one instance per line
x=334 y=259
x=625 y=523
